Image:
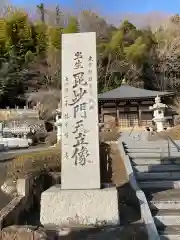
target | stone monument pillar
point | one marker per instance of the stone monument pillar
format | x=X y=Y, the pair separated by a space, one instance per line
x=79 y=200
x=159 y=109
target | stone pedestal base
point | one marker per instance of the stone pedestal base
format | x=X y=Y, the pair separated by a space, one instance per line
x=79 y=207
x=160 y=126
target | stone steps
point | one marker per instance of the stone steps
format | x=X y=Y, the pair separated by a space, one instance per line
x=157 y=168
x=166 y=213
x=163 y=199
x=150 y=150
x=144 y=146
x=148 y=146
x=152 y=154
x=155 y=161
x=166 y=217
x=165 y=209
x=142 y=155
x=165 y=205
x=169 y=232
x=158 y=175
x=151 y=161
x=160 y=184
x=167 y=223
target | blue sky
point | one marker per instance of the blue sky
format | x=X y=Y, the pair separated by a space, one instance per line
x=115 y=6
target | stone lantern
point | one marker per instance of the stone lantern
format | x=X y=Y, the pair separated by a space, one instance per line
x=159 y=110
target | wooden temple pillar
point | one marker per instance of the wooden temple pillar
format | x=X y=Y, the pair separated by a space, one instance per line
x=139 y=116
x=117 y=114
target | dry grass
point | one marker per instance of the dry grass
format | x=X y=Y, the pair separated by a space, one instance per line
x=35 y=162
x=119 y=176
x=50 y=160
x=111 y=135
x=174 y=133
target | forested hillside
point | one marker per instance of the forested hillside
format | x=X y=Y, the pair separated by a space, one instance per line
x=30 y=52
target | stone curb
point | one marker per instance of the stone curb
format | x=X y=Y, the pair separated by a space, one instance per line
x=146 y=215
x=11 y=211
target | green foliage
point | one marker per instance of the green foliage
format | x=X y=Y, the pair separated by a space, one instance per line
x=54 y=34
x=137 y=51
x=30 y=51
x=72 y=26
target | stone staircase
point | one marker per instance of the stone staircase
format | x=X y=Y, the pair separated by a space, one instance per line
x=157 y=169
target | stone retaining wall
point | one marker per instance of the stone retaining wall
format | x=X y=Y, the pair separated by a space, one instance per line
x=9 y=215
x=27 y=188
x=13 y=211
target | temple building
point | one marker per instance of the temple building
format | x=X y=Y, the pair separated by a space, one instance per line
x=129 y=106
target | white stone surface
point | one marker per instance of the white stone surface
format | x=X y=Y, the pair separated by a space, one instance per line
x=160 y=124
x=74 y=207
x=80 y=138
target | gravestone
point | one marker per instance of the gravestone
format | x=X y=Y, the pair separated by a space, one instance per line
x=80 y=138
